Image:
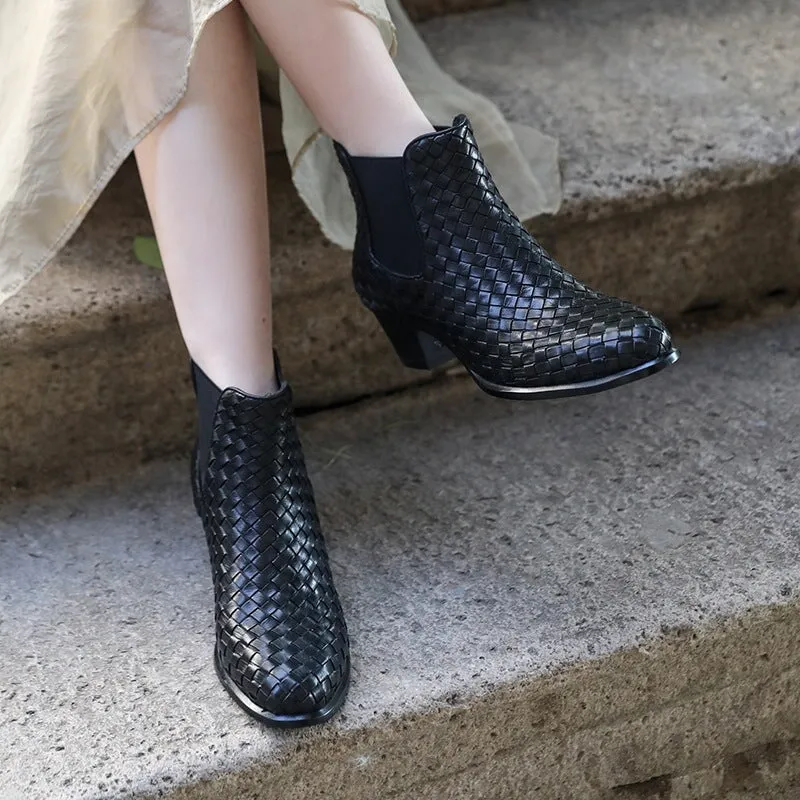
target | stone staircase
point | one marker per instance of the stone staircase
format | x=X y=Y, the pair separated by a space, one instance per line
x=583 y=599
x=679 y=129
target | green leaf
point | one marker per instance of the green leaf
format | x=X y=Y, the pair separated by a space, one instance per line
x=145 y=248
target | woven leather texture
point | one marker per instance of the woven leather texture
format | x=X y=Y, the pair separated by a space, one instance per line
x=281 y=633
x=487 y=290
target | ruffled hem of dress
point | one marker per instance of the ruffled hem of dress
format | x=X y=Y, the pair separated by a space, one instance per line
x=529 y=180
x=21 y=280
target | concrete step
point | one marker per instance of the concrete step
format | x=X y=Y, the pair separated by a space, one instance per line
x=584 y=599
x=679 y=127
x=428 y=9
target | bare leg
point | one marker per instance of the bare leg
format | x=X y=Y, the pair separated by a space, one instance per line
x=204 y=177
x=205 y=180
x=336 y=59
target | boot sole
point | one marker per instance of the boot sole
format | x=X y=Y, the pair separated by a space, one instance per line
x=420 y=350
x=582 y=387
x=271 y=720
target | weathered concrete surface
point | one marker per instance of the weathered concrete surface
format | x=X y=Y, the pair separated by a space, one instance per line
x=676 y=120
x=679 y=126
x=427 y=9
x=593 y=598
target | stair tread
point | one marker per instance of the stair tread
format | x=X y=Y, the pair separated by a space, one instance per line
x=644 y=97
x=475 y=543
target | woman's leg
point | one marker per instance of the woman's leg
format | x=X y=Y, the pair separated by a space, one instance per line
x=337 y=61
x=281 y=638
x=204 y=177
x=481 y=287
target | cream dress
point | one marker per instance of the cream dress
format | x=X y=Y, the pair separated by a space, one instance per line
x=82 y=81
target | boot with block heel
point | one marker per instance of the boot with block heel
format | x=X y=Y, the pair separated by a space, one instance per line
x=416 y=349
x=451 y=273
x=282 y=648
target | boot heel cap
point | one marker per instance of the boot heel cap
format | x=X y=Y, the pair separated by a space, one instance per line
x=415 y=348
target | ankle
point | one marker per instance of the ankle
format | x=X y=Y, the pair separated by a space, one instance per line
x=208 y=391
x=388 y=142
x=257 y=378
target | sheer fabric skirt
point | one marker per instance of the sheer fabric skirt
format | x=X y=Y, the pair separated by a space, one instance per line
x=82 y=81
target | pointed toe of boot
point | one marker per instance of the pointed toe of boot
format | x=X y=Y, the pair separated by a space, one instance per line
x=632 y=338
x=622 y=345
x=283 y=653
x=292 y=694
x=309 y=692
x=645 y=340
x=608 y=343
x=666 y=347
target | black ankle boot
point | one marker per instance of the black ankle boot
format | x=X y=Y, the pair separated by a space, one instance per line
x=471 y=282
x=282 y=647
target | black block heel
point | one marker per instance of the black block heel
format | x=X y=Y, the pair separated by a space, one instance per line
x=416 y=349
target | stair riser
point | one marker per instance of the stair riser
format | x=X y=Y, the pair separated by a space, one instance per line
x=81 y=400
x=696 y=709
x=727 y=249
x=427 y=9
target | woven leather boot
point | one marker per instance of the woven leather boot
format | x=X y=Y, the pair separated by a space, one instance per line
x=282 y=647
x=479 y=287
